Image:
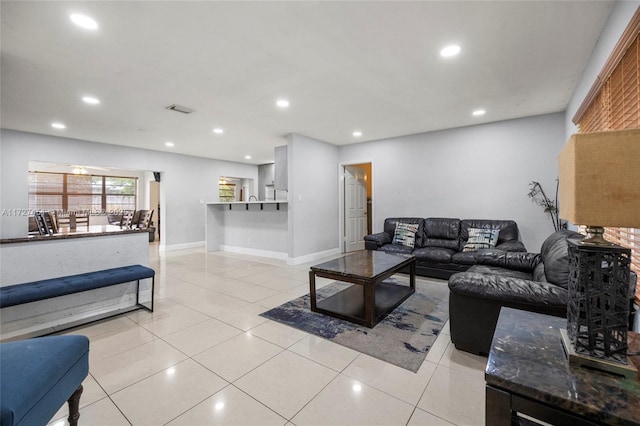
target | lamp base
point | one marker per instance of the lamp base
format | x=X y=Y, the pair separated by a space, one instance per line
x=629 y=370
x=595 y=237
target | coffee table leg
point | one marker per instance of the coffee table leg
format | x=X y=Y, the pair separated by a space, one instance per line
x=312 y=289
x=412 y=275
x=369 y=304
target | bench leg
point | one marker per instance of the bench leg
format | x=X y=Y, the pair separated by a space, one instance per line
x=153 y=284
x=74 y=407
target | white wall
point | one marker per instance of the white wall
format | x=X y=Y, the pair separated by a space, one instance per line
x=476 y=172
x=185 y=180
x=619 y=18
x=313 y=196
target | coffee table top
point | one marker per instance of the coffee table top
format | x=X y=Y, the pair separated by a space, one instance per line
x=364 y=264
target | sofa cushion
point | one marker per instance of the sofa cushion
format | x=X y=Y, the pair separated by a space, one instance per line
x=481 y=239
x=405 y=234
x=441 y=232
x=464 y=257
x=433 y=254
x=442 y=227
x=538 y=273
x=554 y=254
x=396 y=248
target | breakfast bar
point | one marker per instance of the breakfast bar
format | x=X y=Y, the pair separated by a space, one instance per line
x=257 y=228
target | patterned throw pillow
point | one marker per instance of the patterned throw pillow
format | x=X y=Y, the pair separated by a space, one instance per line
x=405 y=234
x=481 y=238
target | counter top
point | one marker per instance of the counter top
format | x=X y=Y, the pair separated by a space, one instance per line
x=248 y=202
x=80 y=232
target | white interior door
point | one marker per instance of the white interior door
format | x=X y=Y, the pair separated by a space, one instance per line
x=355 y=206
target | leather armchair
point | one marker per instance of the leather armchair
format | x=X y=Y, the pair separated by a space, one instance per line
x=535 y=282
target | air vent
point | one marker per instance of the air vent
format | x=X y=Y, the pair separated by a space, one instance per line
x=180 y=108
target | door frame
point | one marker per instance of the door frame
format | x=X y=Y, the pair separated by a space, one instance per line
x=341 y=203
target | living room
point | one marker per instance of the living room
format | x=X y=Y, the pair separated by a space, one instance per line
x=481 y=169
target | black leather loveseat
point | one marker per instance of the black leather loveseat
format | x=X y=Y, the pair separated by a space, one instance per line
x=535 y=282
x=440 y=242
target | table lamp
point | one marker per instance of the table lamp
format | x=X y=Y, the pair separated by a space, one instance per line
x=599 y=185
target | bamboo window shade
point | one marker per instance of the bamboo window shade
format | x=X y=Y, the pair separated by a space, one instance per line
x=613 y=103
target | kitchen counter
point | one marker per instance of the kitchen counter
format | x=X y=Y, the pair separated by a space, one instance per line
x=248 y=203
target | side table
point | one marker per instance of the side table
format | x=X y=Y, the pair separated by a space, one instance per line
x=528 y=372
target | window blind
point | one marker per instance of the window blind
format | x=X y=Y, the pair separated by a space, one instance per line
x=70 y=192
x=614 y=104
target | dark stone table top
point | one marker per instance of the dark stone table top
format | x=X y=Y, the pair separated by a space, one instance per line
x=80 y=232
x=527 y=358
x=364 y=263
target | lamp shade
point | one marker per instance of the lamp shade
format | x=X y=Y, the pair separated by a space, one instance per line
x=599 y=179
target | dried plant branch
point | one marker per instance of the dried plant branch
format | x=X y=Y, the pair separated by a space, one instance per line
x=538 y=196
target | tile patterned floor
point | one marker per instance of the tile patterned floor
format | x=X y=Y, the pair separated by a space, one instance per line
x=205 y=357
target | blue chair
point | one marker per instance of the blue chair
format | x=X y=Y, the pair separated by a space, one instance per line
x=38 y=375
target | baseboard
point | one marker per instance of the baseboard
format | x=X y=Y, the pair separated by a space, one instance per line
x=174 y=247
x=313 y=256
x=254 y=252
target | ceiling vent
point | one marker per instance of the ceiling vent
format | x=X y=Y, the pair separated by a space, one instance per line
x=180 y=108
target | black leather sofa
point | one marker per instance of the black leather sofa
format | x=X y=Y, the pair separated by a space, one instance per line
x=535 y=282
x=439 y=242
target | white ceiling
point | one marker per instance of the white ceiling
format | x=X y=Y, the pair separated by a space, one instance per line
x=372 y=66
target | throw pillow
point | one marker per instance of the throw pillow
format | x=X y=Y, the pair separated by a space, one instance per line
x=405 y=234
x=481 y=238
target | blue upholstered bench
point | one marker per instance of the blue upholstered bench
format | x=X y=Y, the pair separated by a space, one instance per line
x=38 y=375
x=44 y=289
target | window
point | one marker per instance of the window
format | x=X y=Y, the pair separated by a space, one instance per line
x=613 y=103
x=71 y=192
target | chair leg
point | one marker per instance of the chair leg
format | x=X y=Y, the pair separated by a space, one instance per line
x=74 y=407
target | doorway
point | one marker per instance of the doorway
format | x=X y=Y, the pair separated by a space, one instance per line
x=357 y=205
x=154 y=204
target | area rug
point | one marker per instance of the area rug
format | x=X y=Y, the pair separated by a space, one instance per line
x=403 y=338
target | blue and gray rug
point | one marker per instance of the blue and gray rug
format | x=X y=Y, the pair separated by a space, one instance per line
x=403 y=338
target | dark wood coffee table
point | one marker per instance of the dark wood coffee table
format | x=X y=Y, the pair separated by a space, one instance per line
x=371 y=299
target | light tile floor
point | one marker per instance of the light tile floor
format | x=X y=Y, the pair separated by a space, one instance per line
x=205 y=357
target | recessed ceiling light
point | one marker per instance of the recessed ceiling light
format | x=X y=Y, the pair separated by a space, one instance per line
x=91 y=100
x=449 y=51
x=169 y=144
x=282 y=103
x=84 y=21
x=478 y=112
x=247 y=157
x=58 y=126
x=218 y=131
x=357 y=133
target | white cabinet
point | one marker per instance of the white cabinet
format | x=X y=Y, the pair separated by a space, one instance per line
x=281 y=181
x=266 y=176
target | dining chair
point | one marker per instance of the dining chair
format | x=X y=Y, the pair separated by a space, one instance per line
x=145 y=219
x=127 y=218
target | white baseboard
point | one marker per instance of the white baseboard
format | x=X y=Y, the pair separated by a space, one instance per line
x=313 y=256
x=174 y=247
x=254 y=252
